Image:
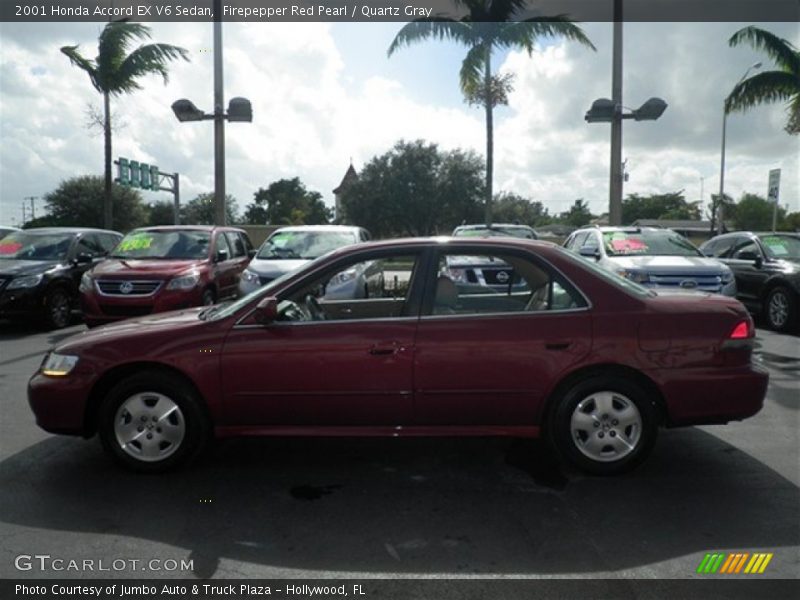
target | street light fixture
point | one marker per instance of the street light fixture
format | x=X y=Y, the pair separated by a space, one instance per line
x=722 y=153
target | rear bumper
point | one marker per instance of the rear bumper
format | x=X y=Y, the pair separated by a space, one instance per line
x=713 y=395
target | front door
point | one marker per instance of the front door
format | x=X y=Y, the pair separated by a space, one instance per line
x=340 y=354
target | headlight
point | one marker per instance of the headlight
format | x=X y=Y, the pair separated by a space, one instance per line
x=249 y=276
x=58 y=365
x=86 y=283
x=342 y=277
x=637 y=276
x=25 y=282
x=186 y=282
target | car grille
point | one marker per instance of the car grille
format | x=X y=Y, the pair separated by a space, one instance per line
x=114 y=310
x=112 y=287
x=704 y=283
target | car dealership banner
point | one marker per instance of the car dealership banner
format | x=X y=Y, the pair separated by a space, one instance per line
x=387 y=10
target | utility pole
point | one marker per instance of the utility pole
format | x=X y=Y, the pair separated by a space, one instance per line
x=219 y=121
x=615 y=185
x=33 y=209
x=23 y=212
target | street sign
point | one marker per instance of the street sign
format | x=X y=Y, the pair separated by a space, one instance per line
x=136 y=173
x=773 y=190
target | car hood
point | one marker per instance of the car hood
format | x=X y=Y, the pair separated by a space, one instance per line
x=13 y=268
x=664 y=264
x=275 y=267
x=116 y=267
x=132 y=331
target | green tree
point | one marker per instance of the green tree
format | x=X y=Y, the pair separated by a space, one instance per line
x=782 y=84
x=114 y=72
x=161 y=213
x=659 y=206
x=512 y=208
x=728 y=210
x=78 y=202
x=287 y=202
x=488 y=25
x=754 y=213
x=578 y=214
x=415 y=189
x=791 y=222
x=200 y=210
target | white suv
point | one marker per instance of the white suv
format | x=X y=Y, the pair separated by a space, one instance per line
x=655 y=258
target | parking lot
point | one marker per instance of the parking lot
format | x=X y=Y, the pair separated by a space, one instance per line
x=442 y=508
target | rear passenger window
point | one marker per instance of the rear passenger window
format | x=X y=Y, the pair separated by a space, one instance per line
x=489 y=283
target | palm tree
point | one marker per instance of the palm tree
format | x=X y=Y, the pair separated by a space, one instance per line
x=780 y=85
x=488 y=25
x=115 y=72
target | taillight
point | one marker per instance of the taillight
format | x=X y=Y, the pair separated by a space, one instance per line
x=742 y=331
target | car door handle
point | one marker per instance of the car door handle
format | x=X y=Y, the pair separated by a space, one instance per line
x=557 y=345
x=385 y=349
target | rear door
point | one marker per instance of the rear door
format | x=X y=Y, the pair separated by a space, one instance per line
x=487 y=357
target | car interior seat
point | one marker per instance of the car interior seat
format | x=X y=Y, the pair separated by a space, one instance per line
x=446 y=300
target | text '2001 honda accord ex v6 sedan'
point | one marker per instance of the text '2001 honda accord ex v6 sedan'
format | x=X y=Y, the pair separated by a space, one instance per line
x=592 y=361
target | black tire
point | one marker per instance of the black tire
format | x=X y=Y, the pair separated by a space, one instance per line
x=209 y=297
x=615 y=438
x=57 y=308
x=780 y=309
x=163 y=417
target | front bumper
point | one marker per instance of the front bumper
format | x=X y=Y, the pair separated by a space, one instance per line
x=59 y=403
x=23 y=301
x=98 y=309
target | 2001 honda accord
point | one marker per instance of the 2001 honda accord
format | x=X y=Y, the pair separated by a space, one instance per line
x=593 y=361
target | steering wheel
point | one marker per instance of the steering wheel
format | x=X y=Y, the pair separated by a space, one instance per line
x=313 y=307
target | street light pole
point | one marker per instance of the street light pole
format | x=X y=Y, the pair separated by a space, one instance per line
x=219 y=121
x=720 y=199
x=615 y=184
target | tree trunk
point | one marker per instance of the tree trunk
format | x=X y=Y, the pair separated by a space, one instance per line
x=487 y=81
x=107 y=209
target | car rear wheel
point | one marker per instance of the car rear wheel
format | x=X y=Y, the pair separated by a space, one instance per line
x=57 y=308
x=152 y=422
x=603 y=425
x=780 y=309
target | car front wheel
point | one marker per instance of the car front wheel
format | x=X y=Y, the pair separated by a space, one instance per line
x=152 y=422
x=57 y=308
x=780 y=309
x=603 y=425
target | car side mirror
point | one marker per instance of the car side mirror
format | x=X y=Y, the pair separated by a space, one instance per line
x=251 y=254
x=83 y=258
x=754 y=256
x=266 y=310
x=589 y=252
x=222 y=255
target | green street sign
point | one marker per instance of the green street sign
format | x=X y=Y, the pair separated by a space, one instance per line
x=136 y=173
x=144 y=176
x=155 y=183
x=123 y=172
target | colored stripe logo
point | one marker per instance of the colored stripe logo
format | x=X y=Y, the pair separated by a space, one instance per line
x=735 y=563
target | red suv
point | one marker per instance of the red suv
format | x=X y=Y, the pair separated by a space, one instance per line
x=156 y=269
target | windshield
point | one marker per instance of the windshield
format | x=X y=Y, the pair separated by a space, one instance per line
x=778 y=246
x=303 y=244
x=648 y=243
x=495 y=231
x=164 y=244
x=21 y=245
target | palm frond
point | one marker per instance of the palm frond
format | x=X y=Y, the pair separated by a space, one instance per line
x=145 y=60
x=770 y=86
x=523 y=33
x=84 y=63
x=778 y=49
x=437 y=28
x=113 y=44
x=472 y=67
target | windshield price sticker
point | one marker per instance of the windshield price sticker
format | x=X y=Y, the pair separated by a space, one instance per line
x=628 y=245
x=136 y=242
x=9 y=247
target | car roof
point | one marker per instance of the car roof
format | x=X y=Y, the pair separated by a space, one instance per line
x=416 y=243
x=625 y=229
x=483 y=226
x=50 y=230
x=208 y=228
x=342 y=228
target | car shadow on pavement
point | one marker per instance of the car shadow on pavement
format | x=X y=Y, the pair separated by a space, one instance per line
x=423 y=506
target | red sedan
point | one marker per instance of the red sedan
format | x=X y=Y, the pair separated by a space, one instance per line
x=568 y=350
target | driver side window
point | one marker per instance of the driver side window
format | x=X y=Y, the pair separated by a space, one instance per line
x=367 y=289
